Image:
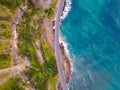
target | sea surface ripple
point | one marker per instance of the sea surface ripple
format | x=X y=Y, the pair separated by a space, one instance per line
x=92 y=33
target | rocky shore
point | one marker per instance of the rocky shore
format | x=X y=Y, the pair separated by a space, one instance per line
x=66 y=62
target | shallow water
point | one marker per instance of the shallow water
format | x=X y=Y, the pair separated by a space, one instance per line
x=92 y=31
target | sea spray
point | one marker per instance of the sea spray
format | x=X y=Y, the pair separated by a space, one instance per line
x=65 y=44
x=97 y=45
x=62 y=40
x=67 y=8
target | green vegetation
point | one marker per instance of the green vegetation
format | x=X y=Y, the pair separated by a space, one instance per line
x=11 y=4
x=5 y=30
x=4 y=75
x=50 y=10
x=4 y=60
x=5 y=13
x=4 y=47
x=6 y=16
x=7 y=10
x=5 y=35
x=12 y=84
x=4 y=26
x=40 y=75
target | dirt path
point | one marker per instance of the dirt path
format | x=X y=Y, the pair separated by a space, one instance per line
x=18 y=64
x=14 y=41
x=16 y=69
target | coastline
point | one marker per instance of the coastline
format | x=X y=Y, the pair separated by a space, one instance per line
x=67 y=64
x=49 y=25
x=66 y=9
x=63 y=45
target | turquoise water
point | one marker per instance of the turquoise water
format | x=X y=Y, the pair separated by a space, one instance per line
x=92 y=31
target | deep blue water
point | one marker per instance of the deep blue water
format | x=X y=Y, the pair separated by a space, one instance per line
x=92 y=31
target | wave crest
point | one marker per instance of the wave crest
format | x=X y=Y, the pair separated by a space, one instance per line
x=67 y=8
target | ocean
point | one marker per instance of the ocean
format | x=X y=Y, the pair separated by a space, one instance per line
x=91 y=35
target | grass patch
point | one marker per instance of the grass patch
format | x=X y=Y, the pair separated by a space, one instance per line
x=4 y=25
x=1 y=47
x=11 y=4
x=52 y=83
x=4 y=75
x=4 y=60
x=5 y=34
x=5 y=30
x=12 y=84
x=4 y=47
x=50 y=10
x=46 y=51
x=5 y=13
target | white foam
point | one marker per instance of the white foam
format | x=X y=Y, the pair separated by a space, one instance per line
x=65 y=44
x=66 y=9
x=54 y=27
x=62 y=40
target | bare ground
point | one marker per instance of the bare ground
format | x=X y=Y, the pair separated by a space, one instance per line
x=38 y=51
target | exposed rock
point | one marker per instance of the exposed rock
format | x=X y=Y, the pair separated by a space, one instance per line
x=66 y=62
